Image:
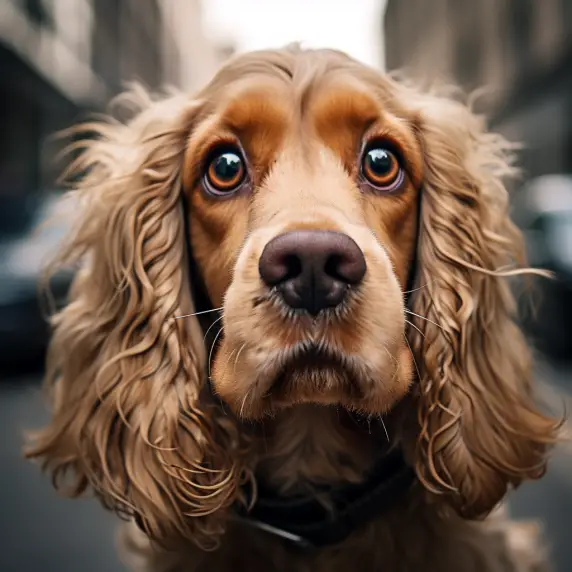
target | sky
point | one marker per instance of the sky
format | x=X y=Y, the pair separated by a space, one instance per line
x=353 y=26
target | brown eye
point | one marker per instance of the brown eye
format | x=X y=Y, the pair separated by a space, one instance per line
x=225 y=173
x=381 y=168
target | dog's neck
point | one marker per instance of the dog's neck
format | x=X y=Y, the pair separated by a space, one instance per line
x=310 y=445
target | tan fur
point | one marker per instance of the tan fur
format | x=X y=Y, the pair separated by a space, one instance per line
x=447 y=380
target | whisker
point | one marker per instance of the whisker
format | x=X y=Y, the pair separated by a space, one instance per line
x=414 y=326
x=237 y=356
x=419 y=288
x=413 y=356
x=244 y=400
x=396 y=372
x=199 y=313
x=424 y=318
x=391 y=356
x=212 y=348
x=229 y=357
x=210 y=327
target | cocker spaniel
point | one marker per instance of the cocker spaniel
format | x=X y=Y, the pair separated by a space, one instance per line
x=290 y=343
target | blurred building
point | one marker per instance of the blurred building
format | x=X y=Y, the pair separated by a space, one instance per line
x=521 y=49
x=190 y=57
x=60 y=58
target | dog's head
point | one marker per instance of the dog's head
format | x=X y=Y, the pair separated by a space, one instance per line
x=304 y=188
x=353 y=234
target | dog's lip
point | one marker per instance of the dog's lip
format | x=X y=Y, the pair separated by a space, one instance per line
x=314 y=358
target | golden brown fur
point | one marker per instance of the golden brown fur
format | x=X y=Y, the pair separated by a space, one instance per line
x=133 y=418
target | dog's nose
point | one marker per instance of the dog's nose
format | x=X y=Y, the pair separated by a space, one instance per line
x=312 y=269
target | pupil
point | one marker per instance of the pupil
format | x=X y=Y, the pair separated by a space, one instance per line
x=227 y=166
x=380 y=161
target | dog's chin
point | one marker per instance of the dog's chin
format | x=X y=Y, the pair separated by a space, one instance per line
x=319 y=378
x=315 y=378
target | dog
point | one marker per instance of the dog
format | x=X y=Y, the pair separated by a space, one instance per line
x=290 y=343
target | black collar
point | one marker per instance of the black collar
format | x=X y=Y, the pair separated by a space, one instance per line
x=305 y=522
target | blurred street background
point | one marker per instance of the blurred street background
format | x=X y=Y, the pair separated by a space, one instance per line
x=61 y=59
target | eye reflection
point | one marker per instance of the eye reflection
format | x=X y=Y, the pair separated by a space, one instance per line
x=381 y=168
x=225 y=173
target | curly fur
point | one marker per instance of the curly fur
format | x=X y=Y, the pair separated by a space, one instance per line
x=124 y=377
x=475 y=368
x=133 y=418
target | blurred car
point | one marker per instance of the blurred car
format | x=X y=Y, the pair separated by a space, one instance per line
x=543 y=211
x=30 y=231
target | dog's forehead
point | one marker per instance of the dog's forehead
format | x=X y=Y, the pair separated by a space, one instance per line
x=266 y=101
x=250 y=103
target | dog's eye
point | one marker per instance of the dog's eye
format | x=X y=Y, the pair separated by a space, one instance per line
x=225 y=173
x=381 y=168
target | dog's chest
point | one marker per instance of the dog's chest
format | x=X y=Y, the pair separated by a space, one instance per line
x=400 y=544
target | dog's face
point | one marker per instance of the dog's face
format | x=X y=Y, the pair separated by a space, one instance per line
x=311 y=184
x=303 y=225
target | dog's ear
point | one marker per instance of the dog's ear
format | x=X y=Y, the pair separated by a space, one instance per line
x=480 y=429
x=124 y=376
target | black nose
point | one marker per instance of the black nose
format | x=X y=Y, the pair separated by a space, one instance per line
x=312 y=269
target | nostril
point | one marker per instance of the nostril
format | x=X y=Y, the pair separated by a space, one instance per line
x=292 y=266
x=278 y=264
x=348 y=267
x=331 y=268
x=338 y=267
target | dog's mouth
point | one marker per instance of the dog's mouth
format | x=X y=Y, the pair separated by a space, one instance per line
x=316 y=375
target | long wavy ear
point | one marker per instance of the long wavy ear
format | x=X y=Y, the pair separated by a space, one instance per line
x=124 y=376
x=480 y=430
